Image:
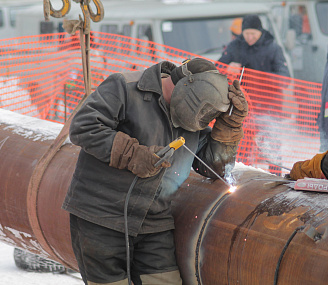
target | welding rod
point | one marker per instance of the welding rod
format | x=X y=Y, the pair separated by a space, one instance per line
x=241 y=76
x=217 y=175
x=289 y=169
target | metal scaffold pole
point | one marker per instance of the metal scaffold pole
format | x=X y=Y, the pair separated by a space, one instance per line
x=83 y=25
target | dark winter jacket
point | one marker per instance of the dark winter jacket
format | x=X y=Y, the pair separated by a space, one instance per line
x=133 y=103
x=265 y=55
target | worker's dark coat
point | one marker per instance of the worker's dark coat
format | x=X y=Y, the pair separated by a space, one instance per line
x=133 y=103
x=265 y=55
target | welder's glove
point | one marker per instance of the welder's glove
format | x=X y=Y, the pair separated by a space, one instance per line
x=308 y=168
x=127 y=153
x=229 y=129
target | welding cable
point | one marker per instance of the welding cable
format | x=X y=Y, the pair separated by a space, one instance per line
x=126 y=229
x=283 y=252
x=164 y=154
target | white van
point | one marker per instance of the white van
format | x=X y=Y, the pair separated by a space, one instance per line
x=8 y=16
x=303 y=26
x=200 y=28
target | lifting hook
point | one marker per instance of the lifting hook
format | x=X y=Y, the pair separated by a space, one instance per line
x=48 y=10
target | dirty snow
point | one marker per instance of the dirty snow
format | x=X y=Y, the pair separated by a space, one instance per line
x=10 y=274
x=29 y=127
x=14 y=97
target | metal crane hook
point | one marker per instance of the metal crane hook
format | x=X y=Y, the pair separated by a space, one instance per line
x=89 y=14
x=96 y=17
x=48 y=10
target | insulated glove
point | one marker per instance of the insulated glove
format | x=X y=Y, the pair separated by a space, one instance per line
x=308 y=168
x=127 y=153
x=229 y=129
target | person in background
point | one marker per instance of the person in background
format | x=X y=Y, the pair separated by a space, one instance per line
x=120 y=128
x=235 y=28
x=316 y=167
x=255 y=48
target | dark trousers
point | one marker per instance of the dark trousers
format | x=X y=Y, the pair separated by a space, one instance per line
x=101 y=252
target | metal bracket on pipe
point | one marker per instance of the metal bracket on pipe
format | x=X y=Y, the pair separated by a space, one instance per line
x=312 y=233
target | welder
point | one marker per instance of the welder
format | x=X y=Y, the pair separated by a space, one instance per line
x=124 y=122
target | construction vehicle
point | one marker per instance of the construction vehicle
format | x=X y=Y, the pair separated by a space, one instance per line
x=198 y=28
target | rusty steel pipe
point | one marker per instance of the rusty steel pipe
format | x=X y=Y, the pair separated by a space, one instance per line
x=221 y=237
x=23 y=141
x=238 y=238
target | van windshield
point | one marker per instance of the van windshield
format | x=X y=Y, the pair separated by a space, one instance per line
x=322 y=12
x=203 y=36
x=13 y=13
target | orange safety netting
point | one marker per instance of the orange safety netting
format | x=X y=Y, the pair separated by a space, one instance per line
x=41 y=76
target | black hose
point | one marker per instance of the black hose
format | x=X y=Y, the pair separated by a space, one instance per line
x=126 y=231
x=283 y=252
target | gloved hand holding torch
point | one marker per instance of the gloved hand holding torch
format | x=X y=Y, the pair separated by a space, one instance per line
x=127 y=153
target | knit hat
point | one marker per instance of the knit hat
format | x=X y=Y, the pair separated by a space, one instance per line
x=252 y=22
x=193 y=66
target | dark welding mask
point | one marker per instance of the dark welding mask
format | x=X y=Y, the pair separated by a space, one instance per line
x=198 y=98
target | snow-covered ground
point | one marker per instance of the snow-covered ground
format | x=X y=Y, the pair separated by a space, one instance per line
x=10 y=274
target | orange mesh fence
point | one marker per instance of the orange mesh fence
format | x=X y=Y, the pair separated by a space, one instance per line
x=281 y=127
x=41 y=76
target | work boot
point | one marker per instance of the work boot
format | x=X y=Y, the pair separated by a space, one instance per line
x=172 y=278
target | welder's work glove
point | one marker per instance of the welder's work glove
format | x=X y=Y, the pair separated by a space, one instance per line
x=308 y=168
x=127 y=153
x=229 y=129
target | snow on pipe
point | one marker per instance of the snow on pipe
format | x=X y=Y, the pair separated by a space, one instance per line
x=252 y=236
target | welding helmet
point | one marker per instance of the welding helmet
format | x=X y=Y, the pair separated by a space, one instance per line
x=199 y=96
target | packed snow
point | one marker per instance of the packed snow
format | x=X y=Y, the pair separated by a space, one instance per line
x=10 y=274
x=30 y=127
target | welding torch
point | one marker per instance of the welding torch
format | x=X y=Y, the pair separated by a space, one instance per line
x=168 y=151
